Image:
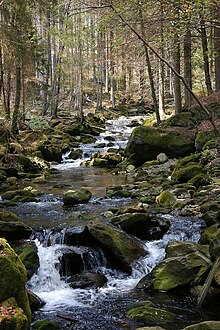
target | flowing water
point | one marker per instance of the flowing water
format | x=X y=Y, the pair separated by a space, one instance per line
x=103 y=308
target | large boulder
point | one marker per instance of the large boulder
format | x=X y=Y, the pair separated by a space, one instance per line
x=13 y=280
x=79 y=196
x=142 y=225
x=185 y=264
x=145 y=143
x=123 y=248
x=14 y=230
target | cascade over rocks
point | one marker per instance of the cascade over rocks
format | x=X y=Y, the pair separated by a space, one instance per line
x=123 y=247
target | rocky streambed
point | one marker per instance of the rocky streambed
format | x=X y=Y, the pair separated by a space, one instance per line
x=132 y=255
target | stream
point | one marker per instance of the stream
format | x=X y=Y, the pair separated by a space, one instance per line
x=106 y=307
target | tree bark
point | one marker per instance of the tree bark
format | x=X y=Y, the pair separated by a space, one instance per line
x=15 y=117
x=205 y=56
x=187 y=68
x=217 y=47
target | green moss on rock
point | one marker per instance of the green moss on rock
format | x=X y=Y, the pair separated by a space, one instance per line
x=150 y=314
x=13 y=278
x=12 y=317
x=185 y=174
x=165 y=199
x=45 y=325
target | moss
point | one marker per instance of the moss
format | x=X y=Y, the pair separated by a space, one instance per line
x=13 y=278
x=200 y=179
x=29 y=257
x=203 y=137
x=12 y=317
x=186 y=173
x=150 y=314
x=209 y=234
x=8 y=216
x=45 y=325
x=165 y=199
x=186 y=160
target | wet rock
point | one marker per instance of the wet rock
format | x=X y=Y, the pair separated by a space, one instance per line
x=12 y=317
x=20 y=195
x=78 y=236
x=73 y=260
x=79 y=196
x=207 y=325
x=142 y=225
x=35 y=301
x=117 y=191
x=165 y=199
x=28 y=253
x=124 y=248
x=75 y=154
x=46 y=325
x=108 y=158
x=200 y=180
x=185 y=264
x=151 y=328
x=14 y=230
x=13 y=279
x=100 y=145
x=145 y=143
x=87 y=279
x=146 y=313
x=209 y=234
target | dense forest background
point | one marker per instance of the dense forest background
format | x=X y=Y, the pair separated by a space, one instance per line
x=61 y=55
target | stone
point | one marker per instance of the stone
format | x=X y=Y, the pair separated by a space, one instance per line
x=150 y=314
x=13 y=279
x=46 y=325
x=35 y=301
x=142 y=225
x=207 y=325
x=28 y=253
x=162 y=158
x=14 y=230
x=123 y=248
x=12 y=317
x=87 y=279
x=184 y=174
x=185 y=264
x=79 y=196
x=165 y=199
x=73 y=260
x=151 y=328
x=145 y=143
x=200 y=180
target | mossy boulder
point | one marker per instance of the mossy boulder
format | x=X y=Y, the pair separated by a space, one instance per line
x=79 y=196
x=145 y=143
x=12 y=317
x=209 y=234
x=165 y=199
x=46 y=325
x=205 y=134
x=185 y=264
x=123 y=248
x=185 y=174
x=13 y=279
x=207 y=325
x=28 y=253
x=200 y=180
x=147 y=313
x=8 y=216
x=182 y=119
x=150 y=328
x=14 y=230
x=117 y=191
x=21 y=195
x=142 y=225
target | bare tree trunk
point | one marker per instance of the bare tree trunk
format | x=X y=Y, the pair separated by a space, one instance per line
x=187 y=68
x=205 y=56
x=15 y=117
x=217 y=46
x=112 y=70
x=176 y=81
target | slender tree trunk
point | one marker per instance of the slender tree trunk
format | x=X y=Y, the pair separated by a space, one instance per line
x=187 y=68
x=205 y=56
x=176 y=81
x=217 y=46
x=112 y=70
x=15 y=117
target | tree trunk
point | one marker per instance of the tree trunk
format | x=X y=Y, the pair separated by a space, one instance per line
x=217 y=47
x=15 y=117
x=176 y=81
x=205 y=56
x=187 y=68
